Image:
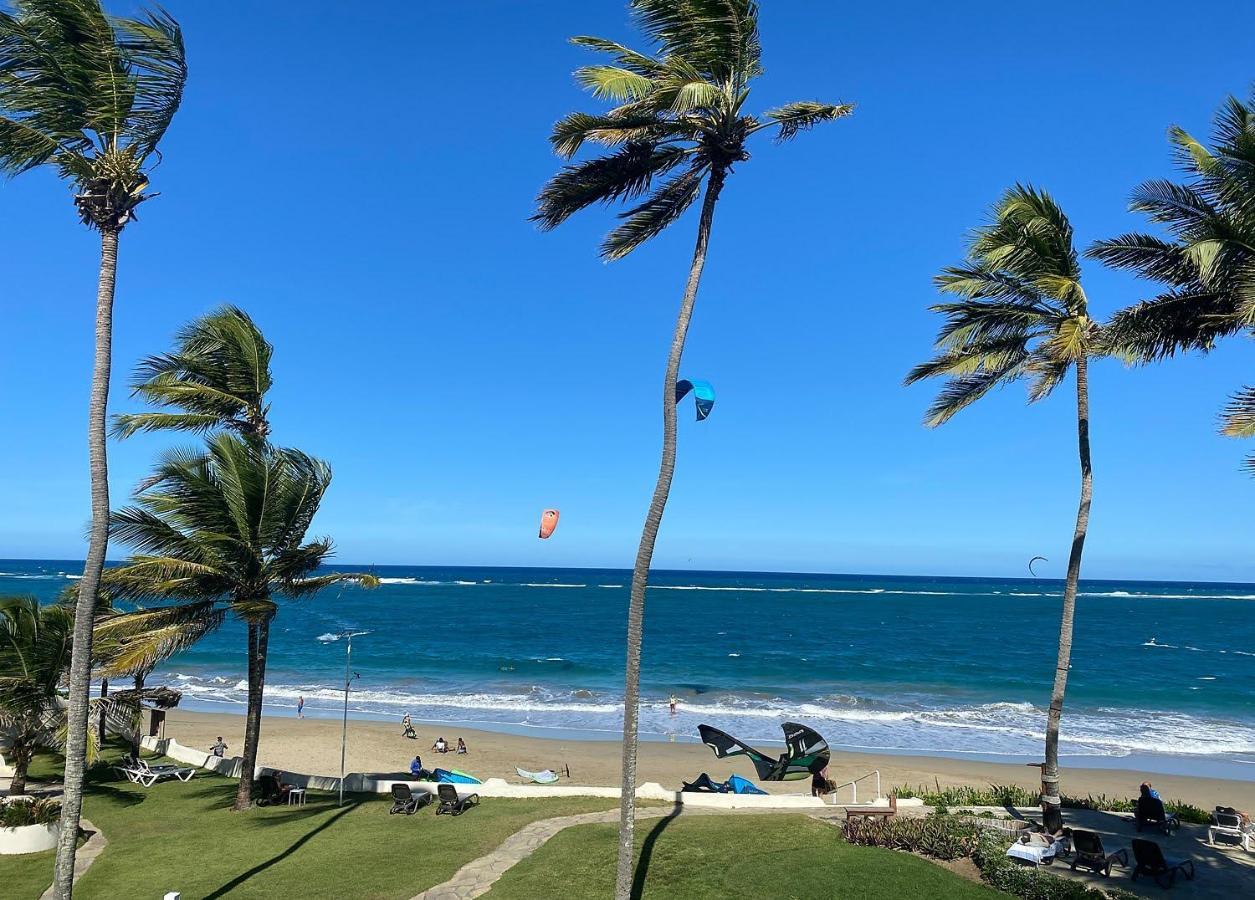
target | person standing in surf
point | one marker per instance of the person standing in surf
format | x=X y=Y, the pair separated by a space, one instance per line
x=673 y=702
x=300 y=706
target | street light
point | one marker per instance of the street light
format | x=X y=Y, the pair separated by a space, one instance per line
x=348 y=683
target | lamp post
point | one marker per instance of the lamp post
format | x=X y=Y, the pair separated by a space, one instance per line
x=349 y=675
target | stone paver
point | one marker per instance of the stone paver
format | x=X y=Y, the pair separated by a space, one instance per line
x=85 y=855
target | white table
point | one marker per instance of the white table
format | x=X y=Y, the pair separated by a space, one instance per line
x=296 y=796
x=1031 y=853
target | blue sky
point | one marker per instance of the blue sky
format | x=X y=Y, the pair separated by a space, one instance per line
x=359 y=178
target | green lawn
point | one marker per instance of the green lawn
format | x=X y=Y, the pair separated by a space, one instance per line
x=778 y=856
x=183 y=837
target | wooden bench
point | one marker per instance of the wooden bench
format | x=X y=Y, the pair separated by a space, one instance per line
x=873 y=812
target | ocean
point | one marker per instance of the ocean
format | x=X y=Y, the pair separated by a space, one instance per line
x=1161 y=671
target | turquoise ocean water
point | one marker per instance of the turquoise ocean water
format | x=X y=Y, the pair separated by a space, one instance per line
x=1162 y=672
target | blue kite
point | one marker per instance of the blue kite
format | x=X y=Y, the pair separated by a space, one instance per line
x=703 y=394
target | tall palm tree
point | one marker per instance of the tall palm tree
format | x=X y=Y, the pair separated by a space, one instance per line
x=678 y=117
x=36 y=643
x=1208 y=265
x=217 y=376
x=91 y=95
x=224 y=529
x=1021 y=313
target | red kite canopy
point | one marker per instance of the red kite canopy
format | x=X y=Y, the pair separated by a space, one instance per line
x=548 y=522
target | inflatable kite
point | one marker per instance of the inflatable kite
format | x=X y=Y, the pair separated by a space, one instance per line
x=703 y=395
x=704 y=784
x=545 y=776
x=806 y=752
x=548 y=522
x=1033 y=560
x=454 y=776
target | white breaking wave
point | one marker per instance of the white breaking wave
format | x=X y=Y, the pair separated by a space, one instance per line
x=556 y=585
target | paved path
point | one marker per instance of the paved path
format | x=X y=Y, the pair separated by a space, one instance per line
x=479 y=875
x=86 y=854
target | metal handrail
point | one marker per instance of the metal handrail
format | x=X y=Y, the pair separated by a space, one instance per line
x=853 y=785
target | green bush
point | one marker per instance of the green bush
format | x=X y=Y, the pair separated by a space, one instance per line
x=941 y=837
x=16 y=813
x=1014 y=795
x=1004 y=874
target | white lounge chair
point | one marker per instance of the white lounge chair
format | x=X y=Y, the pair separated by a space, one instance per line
x=138 y=771
x=1230 y=825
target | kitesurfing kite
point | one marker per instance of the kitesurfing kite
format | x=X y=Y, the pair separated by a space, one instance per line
x=1033 y=560
x=703 y=395
x=548 y=522
x=806 y=752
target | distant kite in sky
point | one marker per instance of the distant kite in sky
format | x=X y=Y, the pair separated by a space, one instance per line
x=703 y=394
x=548 y=522
x=1033 y=560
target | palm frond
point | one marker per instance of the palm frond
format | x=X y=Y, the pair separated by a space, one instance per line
x=653 y=216
x=1174 y=322
x=152 y=52
x=962 y=391
x=804 y=115
x=1151 y=257
x=622 y=175
x=639 y=63
x=615 y=83
x=1238 y=419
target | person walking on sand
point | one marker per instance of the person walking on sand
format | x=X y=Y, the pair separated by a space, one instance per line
x=300 y=706
x=407 y=727
x=219 y=749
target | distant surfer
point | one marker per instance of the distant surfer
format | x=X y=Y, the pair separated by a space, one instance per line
x=673 y=702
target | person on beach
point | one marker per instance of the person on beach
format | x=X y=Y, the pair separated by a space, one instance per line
x=300 y=706
x=417 y=770
x=407 y=727
x=219 y=749
x=1147 y=790
x=441 y=745
x=673 y=702
x=462 y=747
x=820 y=785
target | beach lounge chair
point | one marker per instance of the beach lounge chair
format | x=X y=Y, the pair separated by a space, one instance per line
x=1150 y=861
x=1150 y=813
x=1227 y=822
x=183 y=773
x=453 y=804
x=1090 y=853
x=406 y=802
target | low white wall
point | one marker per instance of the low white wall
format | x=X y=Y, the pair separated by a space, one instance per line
x=28 y=838
x=376 y=783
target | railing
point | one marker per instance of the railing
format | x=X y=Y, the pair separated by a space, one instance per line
x=853 y=785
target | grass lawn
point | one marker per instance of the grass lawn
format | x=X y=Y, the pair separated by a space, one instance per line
x=184 y=837
x=716 y=857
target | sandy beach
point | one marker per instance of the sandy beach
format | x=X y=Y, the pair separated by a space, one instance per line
x=312 y=746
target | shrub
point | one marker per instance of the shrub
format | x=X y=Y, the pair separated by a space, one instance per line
x=1004 y=874
x=17 y=813
x=941 y=837
x=1014 y=795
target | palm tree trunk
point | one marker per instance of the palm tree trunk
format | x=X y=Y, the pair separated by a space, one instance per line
x=1050 y=771
x=97 y=544
x=649 y=534
x=22 y=752
x=138 y=726
x=258 y=639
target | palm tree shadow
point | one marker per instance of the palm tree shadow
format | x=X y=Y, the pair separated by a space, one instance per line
x=647 y=851
x=278 y=857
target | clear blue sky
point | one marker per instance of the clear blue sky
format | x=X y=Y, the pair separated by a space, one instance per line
x=359 y=176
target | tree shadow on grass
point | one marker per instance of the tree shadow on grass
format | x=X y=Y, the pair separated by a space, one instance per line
x=647 y=852
x=278 y=857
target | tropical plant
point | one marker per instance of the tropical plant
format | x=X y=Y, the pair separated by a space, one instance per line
x=677 y=117
x=217 y=376
x=92 y=96
x=1021 y=313
x=223 y=530
x=36 y=811
x=35 y=647
x=1207 y=265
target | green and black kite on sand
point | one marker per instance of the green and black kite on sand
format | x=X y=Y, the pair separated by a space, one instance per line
x=806 y=752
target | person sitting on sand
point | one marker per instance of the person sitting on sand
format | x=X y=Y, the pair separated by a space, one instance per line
x=417 y=770
x=407 y=727
x=462 y=747
x=441 y=745
x=219 y=749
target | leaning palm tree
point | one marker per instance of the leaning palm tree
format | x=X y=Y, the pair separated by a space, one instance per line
x=92 y=96
x=1208 y=265
x=216 y=377
x=1021 y=313
x=224 y=529
x=35 y=648
x=679 y=119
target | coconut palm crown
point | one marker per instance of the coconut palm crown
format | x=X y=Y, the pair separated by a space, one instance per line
x=678 y=117
x=91 y=95
x=1021 y=312
x=1207 y=263
x=217 y=377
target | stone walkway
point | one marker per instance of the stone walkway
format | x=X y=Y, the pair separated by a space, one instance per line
x=85 y=855
x=479 y=875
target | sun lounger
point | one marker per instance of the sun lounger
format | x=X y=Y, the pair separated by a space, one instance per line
x=406 y=802
x=451 y=803
x=1090 y=853
x=183 y=773
x=1227 y=822
x=1150 y=813
x=1150 y=861
x=142 y=773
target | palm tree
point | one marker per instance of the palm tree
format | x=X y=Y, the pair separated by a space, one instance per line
x=224 y=529
x=1208 y=265
x=1021 y=313
x=91 y=95
x=217 y=377
x=35 y=648
x=678 y=118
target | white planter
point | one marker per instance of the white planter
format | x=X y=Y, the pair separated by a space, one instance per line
x=28 y=838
